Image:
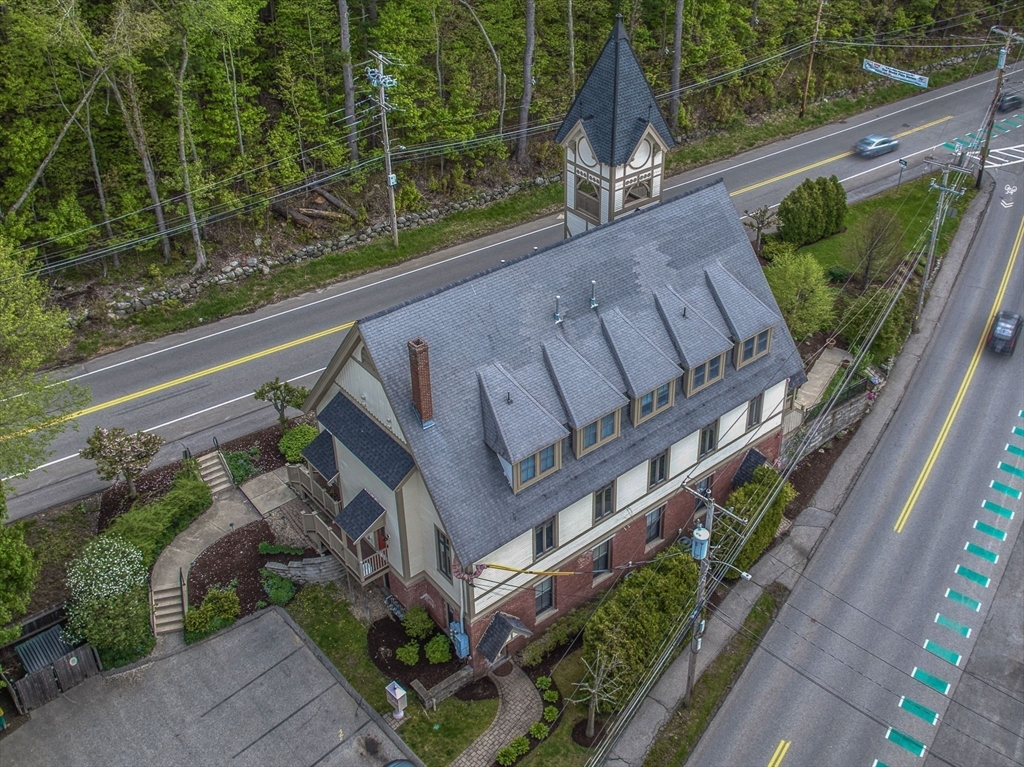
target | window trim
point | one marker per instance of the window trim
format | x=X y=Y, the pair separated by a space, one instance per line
x=638 y=418
x=739 y=357
x=518 y=484
x=600 y=575
x=701 y=451
x=755 y=412
x=648 y=541
x=584 y=202
x=629 y=186
x=580 y=450
x=445 y=571
x=610 y=487
x=549 y=526
x=663 y=458
x=536 y=594
x=688 y=378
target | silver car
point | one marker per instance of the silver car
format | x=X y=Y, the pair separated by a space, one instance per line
x=873 y=146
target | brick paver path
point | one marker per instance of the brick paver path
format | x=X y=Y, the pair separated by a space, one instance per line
x=519 y=706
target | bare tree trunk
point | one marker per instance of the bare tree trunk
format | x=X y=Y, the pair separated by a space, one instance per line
x=346 y=73
x=497 y=63
x=55 y=146
x=133 y=124
x=524 y=105
x=230 y=74
x=100 y=191
x=591 y=714
x=186 y=181
x=572 y=53
x=437 y=54
x=677 y=59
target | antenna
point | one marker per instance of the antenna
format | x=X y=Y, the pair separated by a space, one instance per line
x=684 y=311
x=508 y=397
x=558 y=311
x=593 y=294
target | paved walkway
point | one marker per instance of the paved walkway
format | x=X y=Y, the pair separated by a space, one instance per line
x=519 y=706
x=819 y=375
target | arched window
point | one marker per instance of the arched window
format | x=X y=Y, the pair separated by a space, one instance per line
x=638 y=193
x=587 y=200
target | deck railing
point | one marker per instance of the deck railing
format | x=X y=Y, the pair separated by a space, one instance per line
x=364 y=569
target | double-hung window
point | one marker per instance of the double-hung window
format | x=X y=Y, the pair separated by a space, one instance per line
x=444 y=554
x=658 y=470
x=543 y=538
x=603 y=559
x=708 y=440
x=653 y=402
x=604 y=502
x=544 y=596
x=754 y=411
x=654 y=524
x=536 y=466
x=596 y=433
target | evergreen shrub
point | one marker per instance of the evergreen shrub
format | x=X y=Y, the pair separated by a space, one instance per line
x=295 y=440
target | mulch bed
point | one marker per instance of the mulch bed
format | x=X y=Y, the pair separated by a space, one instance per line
x=236 y=557
x=387 y=635
x=579 y=732
x=810 y=474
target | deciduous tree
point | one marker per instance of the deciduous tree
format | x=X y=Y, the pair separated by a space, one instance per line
x=282 y=395
x=19 y=569
x=119 y=454
x=801 y=290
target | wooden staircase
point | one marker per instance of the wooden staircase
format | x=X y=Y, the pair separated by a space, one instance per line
x=214 y=472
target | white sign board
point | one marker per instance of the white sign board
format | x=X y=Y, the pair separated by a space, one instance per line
x=895 y=74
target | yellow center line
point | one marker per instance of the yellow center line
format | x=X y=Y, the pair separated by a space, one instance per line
x=958 y=400
x=203 y=373
x=818 y=164
x=780 y=753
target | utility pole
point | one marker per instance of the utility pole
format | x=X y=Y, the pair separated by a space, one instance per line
x=934 y=240
x=382 y=81
x=991 y=117
x=810 y=61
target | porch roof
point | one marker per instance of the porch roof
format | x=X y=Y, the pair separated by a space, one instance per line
x=320 y=454
x=501 y=628
x=359 y=515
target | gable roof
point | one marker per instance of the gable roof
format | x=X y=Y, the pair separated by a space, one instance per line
x=377 y=449
x=501 y=628
x=493 y=329
x=616 y=103
x=359 y=515
x=320 y=453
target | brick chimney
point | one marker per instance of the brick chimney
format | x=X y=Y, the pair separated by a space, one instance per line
x=419 y=368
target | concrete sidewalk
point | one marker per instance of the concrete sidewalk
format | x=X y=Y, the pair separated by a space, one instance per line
x=788 y=559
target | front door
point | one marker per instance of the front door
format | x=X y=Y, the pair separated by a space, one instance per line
x=382 y=539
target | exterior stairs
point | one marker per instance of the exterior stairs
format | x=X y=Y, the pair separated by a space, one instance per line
x=214 y=472
x=168 y=610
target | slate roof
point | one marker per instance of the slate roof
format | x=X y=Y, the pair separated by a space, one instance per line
x=616 y=103
x=320 y=453
x=585 y=394
x=752 y=460
x=489 y=335
x=377 y=449
x=360 y=513
x=498 y=631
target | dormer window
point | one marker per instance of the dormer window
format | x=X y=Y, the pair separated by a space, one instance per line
x=653 y=402
x=754 y=347
x=597 y=433
x=704 y=374
x=534 y=467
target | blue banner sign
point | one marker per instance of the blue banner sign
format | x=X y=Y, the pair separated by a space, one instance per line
x=895 y=74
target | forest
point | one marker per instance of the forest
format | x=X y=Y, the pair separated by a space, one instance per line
x=134 y=126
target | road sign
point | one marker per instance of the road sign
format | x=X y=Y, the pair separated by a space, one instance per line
x=903 y=163
x=894 y=74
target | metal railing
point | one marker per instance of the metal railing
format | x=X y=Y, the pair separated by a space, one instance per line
x=183 y=585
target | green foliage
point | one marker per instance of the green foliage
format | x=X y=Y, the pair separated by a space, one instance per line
x=543 y=683
x=19 y=569
x=152 y=526
x=282 y=395
x=417 y=623
x=438 y=649
x=560 y=633
x=550 y=696
x=801 y=290
x=409 y=653
x=506 y=756
x=119 y=454
x=240 y=465
x=294 y=441
x=631 y=623
x=280 y=590
x=266 y=547
x=520 y=745
x=837 y=274
x=813 y=210
x=219 y=609
x=539 y=730
x=117 y=626
x=861 y=314
x=747 y=501
x=550 y=713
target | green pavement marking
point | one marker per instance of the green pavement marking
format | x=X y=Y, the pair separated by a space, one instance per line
x=952 y=625
x=1005 y=489
x=1018 y=431
x=978 y=551
x=999 y=127
x=963 y=599
x=951 y=148
x=921 y=712
x=877 y=763
x=995 y=508
x=915 y=747
x=981 y=580
x=993 y=532
x=1009 y=468
x=1014 y=450
x=941 y=652
x=972 y=136
x=1020 y=413
x=1012 y=120
x=939 y=685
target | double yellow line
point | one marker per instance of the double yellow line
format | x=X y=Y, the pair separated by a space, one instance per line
x=780 y=753
x=958 y=400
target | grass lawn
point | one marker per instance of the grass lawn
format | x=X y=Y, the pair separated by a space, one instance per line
x=684 y=729
x=559 y=750
x=437 y=737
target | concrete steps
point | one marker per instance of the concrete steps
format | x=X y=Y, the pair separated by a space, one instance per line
x=168 y=610
x=214 y=473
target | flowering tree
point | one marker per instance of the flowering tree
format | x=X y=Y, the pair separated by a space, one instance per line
x=281 y=395
x=118 y=454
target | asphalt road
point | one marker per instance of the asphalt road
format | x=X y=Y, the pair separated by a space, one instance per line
x=867 y=659
x=197 y=385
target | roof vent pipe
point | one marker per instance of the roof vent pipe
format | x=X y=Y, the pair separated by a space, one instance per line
x=684 y=312
x=558 y=310
x=419 y=368
x=593 y=294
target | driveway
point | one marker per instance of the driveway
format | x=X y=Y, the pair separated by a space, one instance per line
x=255 y=694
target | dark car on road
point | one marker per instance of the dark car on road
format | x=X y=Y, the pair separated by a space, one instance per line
x=873 y=146
x=1002 y=337
x=1009 y=102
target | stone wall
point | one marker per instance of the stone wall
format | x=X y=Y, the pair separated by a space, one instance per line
x=315 y=570
x=826 y=426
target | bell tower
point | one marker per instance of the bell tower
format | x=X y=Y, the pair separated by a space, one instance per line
x=615 y=139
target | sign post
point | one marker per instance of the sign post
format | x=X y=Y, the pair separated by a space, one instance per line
x=903 y=165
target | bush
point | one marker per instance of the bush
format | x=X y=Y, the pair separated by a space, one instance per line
x=746 y=500
x=197 y=621
x=521 y=745
x=862 y=313
x=152 y=526
x=280 y=590
x=539 y=730
x=240 y=465
x=560 y=633
x=438 y=649
x=273 y=548
x=550 y=713
x=838 y=274
x=551 y=696
x=117 y=627
x=409 y=653
x=294 y=441
x=417 y=623
x=543 y=683
x=108 y=566
x=506 y=756
x=804 y=296
x=220 y=608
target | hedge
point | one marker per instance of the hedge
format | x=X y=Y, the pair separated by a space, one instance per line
x=746 y=500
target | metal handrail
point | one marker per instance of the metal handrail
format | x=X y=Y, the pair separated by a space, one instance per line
x=183 y=585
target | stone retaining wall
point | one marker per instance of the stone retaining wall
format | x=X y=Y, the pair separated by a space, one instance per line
x=317 y=570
